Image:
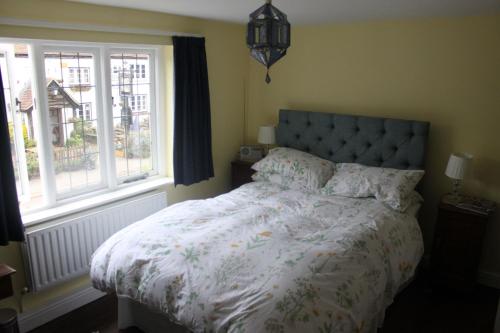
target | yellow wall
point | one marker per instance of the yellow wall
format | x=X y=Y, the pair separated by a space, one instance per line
x=446 y=71
x=227 y=65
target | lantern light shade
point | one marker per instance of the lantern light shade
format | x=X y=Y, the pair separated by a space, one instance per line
x=268 y=35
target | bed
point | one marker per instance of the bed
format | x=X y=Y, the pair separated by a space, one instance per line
x=265 y=258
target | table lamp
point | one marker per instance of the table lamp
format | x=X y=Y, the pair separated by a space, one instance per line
x=456 y=170
x=267 y=136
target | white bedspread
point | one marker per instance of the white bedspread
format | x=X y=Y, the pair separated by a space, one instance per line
x=263 y=259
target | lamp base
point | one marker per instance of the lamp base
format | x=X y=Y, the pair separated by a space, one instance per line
x=455 y=197
x=266 y=150
x=457 y=186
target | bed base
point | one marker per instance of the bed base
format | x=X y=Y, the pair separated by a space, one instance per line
x=135 y=314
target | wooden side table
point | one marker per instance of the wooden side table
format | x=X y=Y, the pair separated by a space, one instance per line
x=241 y=173
x=8 y=317
x=457 y=246
x=6 y=281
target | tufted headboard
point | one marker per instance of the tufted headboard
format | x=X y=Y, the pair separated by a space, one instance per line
x=381 y=142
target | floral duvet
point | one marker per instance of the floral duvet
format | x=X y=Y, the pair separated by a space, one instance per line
x=265 y=259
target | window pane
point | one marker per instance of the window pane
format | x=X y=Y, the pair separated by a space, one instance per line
x=13 y=130
x=73 y=122
x=16 y=75
x=131 y=91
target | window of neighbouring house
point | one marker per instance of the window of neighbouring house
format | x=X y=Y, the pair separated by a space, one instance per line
x=85 y=111
x=138 y=71
x=62 y=118
x=138 y=102
x=79 y=75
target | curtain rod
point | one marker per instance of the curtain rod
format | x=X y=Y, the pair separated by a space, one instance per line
x=90 y=27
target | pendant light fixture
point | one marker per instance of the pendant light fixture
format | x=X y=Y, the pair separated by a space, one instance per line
x=268 y=35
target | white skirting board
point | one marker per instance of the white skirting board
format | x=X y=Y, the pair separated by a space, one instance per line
x=32 y=319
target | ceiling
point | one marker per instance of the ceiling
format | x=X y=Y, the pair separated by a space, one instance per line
x=311 y=11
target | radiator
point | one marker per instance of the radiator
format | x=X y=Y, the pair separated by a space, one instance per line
x=62 y=251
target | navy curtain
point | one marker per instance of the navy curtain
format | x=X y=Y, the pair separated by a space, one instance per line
x=192 y=129
x=11 y=226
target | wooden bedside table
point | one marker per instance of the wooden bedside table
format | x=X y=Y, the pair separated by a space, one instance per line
x=241 y=173
x=458 y=240
x=8 y=317
x=6 y=273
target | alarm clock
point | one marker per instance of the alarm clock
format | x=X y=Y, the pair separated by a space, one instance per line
x=251 y=153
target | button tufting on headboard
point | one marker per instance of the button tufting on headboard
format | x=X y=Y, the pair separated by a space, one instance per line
x=367 y=140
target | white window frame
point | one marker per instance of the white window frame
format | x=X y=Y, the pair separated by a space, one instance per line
x=18 y=134
x=104 y=113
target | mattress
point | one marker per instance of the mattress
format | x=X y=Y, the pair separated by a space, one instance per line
x=265 y=259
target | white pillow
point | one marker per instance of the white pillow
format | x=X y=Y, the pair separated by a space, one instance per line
x=391 y=186
x=307 y=171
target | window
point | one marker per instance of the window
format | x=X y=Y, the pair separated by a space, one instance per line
x=78 y=75
x=67 y=111
x=74 y=139
x=138 y=71
x=138 y=103
x=85 y=111
x=131 y=114
x=16 y=69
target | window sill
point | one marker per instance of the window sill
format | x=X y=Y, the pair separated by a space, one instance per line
x=45 y=215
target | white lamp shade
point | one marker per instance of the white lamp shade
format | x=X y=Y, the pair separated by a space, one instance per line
x=267 y=135
x=457 y=165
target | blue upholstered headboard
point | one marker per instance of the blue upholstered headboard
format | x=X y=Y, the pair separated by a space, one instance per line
x=381 y=142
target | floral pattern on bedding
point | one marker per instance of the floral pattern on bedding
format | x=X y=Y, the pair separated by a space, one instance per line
x=391 y=186
x=297 y=168
x=284 y=182
x=264 y=259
